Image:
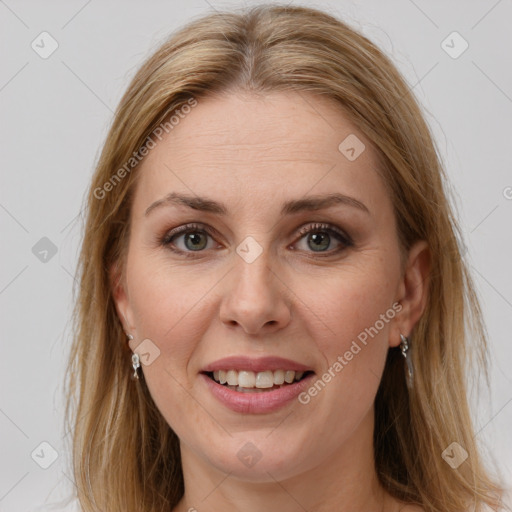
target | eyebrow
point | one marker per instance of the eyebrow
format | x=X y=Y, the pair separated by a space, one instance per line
x=310 y=203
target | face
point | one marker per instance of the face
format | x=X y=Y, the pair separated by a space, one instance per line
x=252 y=273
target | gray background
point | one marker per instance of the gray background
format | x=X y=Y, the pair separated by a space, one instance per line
x=55 y=113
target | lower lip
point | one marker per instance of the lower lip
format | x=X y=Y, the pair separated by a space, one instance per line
x=257 y=402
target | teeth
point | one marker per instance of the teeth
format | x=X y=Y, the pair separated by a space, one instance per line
x=279 y=377
x=289 y=375
x=263 y=379
x=232 y=377
x=260 y=380
x=247 y=379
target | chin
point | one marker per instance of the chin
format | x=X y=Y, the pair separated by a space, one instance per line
x=255 y=458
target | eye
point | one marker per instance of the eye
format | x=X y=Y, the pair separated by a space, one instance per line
x=319 y=237
x=195 y=238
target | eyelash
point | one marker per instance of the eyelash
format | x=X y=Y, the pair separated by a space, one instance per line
x=167 y=239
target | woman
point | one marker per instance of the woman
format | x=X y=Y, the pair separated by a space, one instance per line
x=272 y=303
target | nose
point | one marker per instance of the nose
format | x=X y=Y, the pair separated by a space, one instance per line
x=255 y=297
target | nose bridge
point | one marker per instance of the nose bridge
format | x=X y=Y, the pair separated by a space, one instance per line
x=253 y=268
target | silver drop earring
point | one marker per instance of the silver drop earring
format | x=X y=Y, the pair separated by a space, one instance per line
x=409 y=370
x=136 y=366
x=135 y=362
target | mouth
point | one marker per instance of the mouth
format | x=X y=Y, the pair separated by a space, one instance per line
x=245 y=381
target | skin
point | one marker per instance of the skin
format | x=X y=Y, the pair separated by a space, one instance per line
x=252 y=153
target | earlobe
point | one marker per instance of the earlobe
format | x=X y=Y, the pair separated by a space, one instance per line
x=413 y=291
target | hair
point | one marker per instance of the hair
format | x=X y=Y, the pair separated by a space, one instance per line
x=125 y=455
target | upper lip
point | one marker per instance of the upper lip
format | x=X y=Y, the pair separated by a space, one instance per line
x=259 y=364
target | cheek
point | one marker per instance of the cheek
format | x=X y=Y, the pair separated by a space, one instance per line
x=352 y=317
x=350 y=304
x=164 y=301
x=169 y=309
x=164 y=292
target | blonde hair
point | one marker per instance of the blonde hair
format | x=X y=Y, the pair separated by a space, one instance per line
x=125 y=455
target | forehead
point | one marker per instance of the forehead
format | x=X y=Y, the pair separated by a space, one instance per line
x=245 y=148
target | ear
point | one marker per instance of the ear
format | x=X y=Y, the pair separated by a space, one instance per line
x=121 y=299
x=412 y=291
